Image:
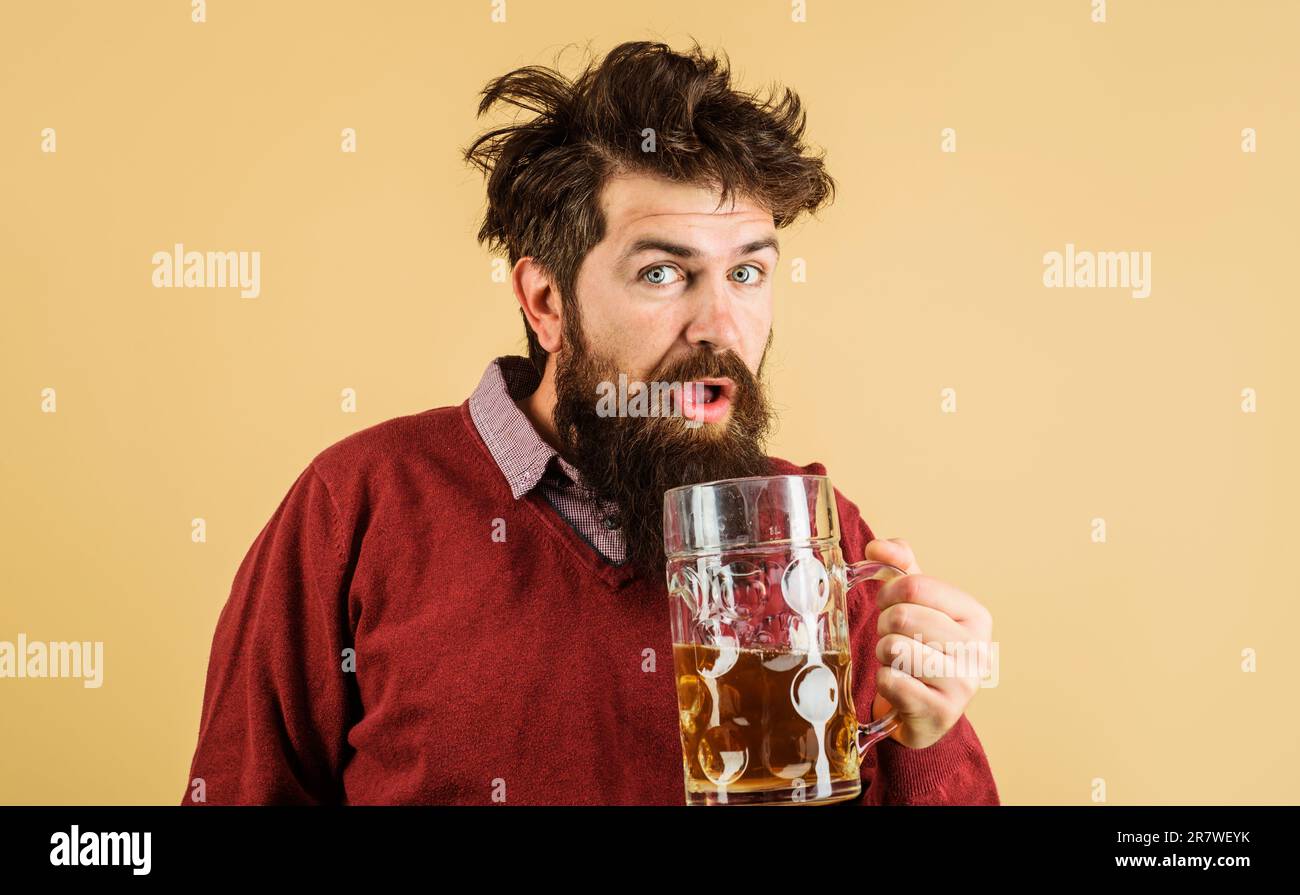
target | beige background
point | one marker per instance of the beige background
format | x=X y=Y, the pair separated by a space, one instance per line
x=1119 y=660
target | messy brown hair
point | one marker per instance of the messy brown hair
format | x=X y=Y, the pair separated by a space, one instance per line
x=544 y=174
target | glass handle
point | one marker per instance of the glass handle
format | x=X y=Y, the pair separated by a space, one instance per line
x=860 y=573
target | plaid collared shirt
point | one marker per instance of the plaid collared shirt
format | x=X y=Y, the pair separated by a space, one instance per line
x=528 y=462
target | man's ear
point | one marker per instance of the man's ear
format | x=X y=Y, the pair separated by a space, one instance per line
x=540 y=301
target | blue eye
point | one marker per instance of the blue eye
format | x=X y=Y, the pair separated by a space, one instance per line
x=753 y=279
x=660 y=280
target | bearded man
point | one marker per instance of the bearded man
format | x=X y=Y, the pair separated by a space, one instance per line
x=467 y=605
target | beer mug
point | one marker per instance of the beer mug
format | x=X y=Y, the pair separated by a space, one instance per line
x=757 y=588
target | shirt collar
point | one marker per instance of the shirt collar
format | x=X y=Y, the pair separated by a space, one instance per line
x=520 y=452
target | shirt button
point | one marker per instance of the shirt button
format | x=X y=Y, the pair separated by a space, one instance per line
x=611 y=523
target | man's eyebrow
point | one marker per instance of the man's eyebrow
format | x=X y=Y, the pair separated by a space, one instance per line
x=651 y=244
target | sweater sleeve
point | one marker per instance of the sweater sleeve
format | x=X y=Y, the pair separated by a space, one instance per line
x=951 y=771
x=279 y=697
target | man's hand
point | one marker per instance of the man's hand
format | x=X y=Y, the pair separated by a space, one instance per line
x=931 y=680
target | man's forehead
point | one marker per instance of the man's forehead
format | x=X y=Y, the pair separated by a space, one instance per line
x=642 y=202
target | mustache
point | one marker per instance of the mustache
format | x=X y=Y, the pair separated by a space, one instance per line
x=706 y=365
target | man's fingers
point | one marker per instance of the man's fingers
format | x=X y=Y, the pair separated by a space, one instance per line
x=956 y=673
x=911 y=619
x=911 y=697
x=923 y=590
x=894 y=551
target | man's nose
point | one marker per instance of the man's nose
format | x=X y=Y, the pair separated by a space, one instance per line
x=714 y=325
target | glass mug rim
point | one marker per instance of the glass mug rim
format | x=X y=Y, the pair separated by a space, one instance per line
x=821 y=482
x=746 y=478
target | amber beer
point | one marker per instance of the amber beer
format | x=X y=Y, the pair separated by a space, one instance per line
x=766 y=725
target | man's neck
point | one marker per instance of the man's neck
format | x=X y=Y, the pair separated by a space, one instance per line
x=539 y=407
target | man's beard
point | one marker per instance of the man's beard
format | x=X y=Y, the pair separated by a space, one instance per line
x=630 y=461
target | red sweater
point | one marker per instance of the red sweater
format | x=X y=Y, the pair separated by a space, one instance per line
x=486 y=670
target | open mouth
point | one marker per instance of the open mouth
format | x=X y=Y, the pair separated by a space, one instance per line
x=707 y=400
